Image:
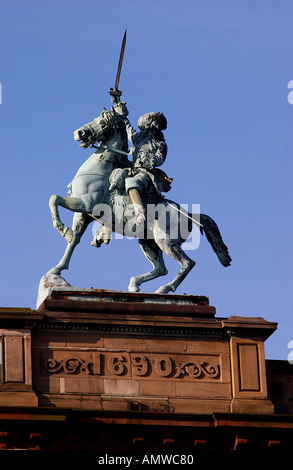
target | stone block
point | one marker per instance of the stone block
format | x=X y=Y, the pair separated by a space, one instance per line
x=126 y=343
x=109 y=404
x=166 y=345
x=199 y=405
x=156 y=388
x=16 y=368
x=43 y=384
x=69 y=401
x=209 y=345
x=50 y=339
x=83 y=386
x=18 y=398
x=251 y=406
x=203 y=389
x=84 y=339
x=248 y=368
x=14 y=358
x=120 y=387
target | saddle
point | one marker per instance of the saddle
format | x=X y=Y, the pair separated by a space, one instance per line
x=159 y=175
x=163 y=178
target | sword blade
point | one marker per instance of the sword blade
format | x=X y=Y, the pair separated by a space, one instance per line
x=120 y=61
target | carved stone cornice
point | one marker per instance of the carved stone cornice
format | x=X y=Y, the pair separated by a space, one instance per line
x=117 y=312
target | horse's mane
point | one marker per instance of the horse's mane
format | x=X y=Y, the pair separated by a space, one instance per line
x=115 y=119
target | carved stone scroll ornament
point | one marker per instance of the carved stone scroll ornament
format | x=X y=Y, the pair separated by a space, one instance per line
x=71 y=365
x=197 y=370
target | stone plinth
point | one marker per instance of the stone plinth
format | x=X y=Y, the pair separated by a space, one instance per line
x=16 y=368
x=175 y=376
x=120 y=351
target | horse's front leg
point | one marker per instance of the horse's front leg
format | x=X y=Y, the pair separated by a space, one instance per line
x=74 y=204
x=79 y=225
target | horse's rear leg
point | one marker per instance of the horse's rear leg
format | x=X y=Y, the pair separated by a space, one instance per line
x=71 y=203
x=79 y=225
x=155 y=256
x=174 y=251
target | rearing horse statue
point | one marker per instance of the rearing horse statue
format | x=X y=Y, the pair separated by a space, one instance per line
x=97 y=193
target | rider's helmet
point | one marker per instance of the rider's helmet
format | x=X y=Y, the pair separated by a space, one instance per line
x=155 y=120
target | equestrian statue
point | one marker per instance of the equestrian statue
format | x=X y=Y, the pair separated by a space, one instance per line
x=124 y=190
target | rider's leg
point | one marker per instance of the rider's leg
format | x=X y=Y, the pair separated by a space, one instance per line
x=136 y=200
x=134 y=187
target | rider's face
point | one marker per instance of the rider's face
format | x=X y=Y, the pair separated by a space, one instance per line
x=155 y=125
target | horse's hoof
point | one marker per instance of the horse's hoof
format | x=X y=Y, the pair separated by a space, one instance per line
x=133 y=287
x=56 y=271
x=164 y=290
x=67 y=234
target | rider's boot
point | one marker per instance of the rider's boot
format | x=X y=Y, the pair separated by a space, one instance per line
x=136 y=200
x=102 y=236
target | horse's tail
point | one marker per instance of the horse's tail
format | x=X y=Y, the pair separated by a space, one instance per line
x=214 y=237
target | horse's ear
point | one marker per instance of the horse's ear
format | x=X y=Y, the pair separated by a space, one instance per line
x=104 y=109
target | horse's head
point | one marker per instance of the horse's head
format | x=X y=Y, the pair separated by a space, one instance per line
x=104 y=128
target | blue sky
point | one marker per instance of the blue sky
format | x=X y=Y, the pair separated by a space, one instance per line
x=219 y=71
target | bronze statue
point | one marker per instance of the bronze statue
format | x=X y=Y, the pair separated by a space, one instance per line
x=125 y=195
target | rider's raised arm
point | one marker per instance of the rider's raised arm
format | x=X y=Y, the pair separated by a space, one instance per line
x=131 y=132
x=121 y=108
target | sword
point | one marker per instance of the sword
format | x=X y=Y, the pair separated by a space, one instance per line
x=114 y=91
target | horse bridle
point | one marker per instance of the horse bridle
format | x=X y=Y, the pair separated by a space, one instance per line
x=107 y=133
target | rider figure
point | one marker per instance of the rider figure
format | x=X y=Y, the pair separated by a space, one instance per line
x=149 y=152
